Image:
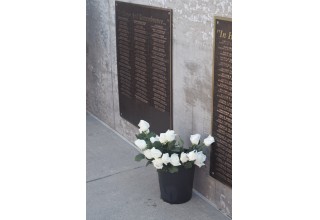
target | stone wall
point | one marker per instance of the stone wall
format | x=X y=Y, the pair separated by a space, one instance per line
x=192 y=75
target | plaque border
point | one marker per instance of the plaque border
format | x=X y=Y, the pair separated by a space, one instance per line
x=215 y=18
x=171 y=75
x=146 y=6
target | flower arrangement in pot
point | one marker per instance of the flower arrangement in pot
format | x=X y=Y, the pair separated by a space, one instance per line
x=174 y=163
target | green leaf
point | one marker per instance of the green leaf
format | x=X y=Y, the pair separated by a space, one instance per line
x=176 y=149
x=180 y=142
x=148 y=163
x=171 y=145
x=157 y=144
x=140 y=136
x=188 y=164
x=150 y=134
x=173 y=169
x=139 y=157
x=164 y=169
x=149 y=145
x=200 y=147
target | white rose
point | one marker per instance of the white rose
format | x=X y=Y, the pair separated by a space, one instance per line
x=200 y=159
x=174 y=160
x=208 y=141
x=144 y=126
x=147 y=154
x=141 y=144
x=157 y=163
x=192 y=155
x=195 y=139
x=154 y=139
x=165 y=158
x=184 y=157
x=170 y=135
x=145 y=131
x=163 y=138
x=155 y=153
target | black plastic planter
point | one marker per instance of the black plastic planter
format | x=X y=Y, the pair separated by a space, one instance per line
x=176 y=188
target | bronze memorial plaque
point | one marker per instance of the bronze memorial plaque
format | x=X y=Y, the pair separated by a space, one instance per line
x=144 y=56
x=221 y=154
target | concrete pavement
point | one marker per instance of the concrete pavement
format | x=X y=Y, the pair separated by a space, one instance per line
x=119 y=188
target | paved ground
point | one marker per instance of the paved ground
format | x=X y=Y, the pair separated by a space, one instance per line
x=120 y=188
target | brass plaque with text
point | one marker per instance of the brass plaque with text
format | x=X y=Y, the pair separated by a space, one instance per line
x=221 y=153
x=144 y=56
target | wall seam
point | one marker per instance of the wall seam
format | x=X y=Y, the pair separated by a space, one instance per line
x=208 y=201
x=114 y=130
x=112 y=74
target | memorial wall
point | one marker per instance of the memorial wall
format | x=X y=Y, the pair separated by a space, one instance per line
x=198 y=66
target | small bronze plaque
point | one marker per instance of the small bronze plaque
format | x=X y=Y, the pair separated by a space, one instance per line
x=221 y=154
x=144 y=55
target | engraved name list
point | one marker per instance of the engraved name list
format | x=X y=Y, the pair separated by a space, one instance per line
x=144 y=64
x=221 y=154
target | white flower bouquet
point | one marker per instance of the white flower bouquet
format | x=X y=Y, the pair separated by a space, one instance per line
x=166 y=153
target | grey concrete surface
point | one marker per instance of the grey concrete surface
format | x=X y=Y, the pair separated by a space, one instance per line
x=106 y=154
x=120 y=188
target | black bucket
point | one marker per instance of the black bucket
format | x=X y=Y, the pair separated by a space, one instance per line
x=176 y=188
